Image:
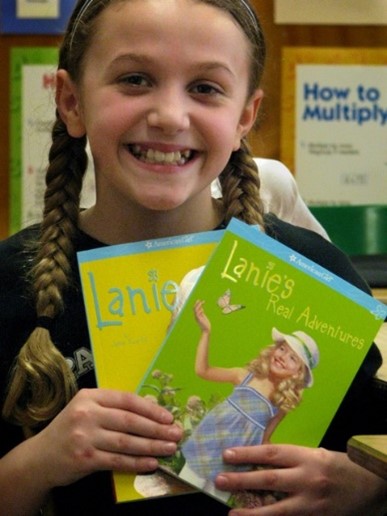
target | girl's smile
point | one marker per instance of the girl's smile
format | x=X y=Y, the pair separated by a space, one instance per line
x=163 y=101
x=149 y=154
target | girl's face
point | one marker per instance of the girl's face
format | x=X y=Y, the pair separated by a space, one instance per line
x=284 y=362
x=163 y=101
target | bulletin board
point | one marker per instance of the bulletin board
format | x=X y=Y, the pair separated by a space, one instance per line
x=32 y=115
x=331 y=12
x=34 y=17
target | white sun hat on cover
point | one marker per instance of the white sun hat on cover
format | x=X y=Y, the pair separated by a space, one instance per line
x=305 y=347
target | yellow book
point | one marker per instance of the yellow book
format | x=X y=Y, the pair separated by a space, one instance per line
x=130 y=297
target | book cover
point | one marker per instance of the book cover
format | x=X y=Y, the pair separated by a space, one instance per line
x=130 y=298
x=263 y=338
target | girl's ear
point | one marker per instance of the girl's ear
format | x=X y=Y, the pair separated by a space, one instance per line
x=67 y=102
x=248 y=117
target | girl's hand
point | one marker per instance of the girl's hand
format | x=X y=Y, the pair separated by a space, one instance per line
x=201 y=317
x=104 y=430
x=315 y=481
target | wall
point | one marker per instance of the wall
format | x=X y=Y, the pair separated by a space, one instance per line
x=266 y=140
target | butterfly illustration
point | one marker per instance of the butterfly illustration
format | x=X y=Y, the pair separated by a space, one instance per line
x=224 y=303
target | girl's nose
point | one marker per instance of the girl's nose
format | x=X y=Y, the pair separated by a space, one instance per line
x=169 y=114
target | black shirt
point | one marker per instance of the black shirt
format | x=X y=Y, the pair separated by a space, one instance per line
x=94 y=494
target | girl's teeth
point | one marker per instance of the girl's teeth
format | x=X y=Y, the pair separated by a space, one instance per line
x=156 y=156
x=170 y=157
x=149 y=155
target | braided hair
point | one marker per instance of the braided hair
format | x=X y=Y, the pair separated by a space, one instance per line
x=239 y=181
x=41 y=382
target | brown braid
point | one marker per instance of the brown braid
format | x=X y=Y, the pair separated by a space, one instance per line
x=240 y=180
x=240 y=185
x=42 y=382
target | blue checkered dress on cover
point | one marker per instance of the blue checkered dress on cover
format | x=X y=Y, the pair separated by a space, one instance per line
x=240 y=420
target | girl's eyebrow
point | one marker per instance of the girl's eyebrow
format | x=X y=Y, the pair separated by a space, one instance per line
x=215 y=65
x=136 y=58
x=200 y=66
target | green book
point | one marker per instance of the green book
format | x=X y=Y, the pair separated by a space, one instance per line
x=286 y=339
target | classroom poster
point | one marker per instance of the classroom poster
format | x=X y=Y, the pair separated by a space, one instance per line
x=32 y=115
x=34 y=16
x=334 y=124
x=331 y=12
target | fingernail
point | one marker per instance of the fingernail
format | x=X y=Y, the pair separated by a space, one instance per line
x=152 y=464
x=170 y=448
x=221 y=481
x=229 y=454
x=174 y=432
x=166 y=417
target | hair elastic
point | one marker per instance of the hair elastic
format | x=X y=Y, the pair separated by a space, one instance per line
x=44 y=322
x=81 y=12
x=250 y=13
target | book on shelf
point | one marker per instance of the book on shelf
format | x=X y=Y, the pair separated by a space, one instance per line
x=130 y=297
x=264 y=349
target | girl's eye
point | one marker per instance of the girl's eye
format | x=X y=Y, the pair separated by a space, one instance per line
x=206 y=89
x=136 y=80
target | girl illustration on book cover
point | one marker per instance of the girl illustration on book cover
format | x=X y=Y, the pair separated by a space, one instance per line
x=265 y=390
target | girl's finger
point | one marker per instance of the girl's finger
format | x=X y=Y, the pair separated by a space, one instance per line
x=129 y=444
x=280 y=455
x=132 y=403
x=123 y=421
x=281 y=480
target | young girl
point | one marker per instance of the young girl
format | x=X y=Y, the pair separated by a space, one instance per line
x=264 y=391
x=165 y=92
